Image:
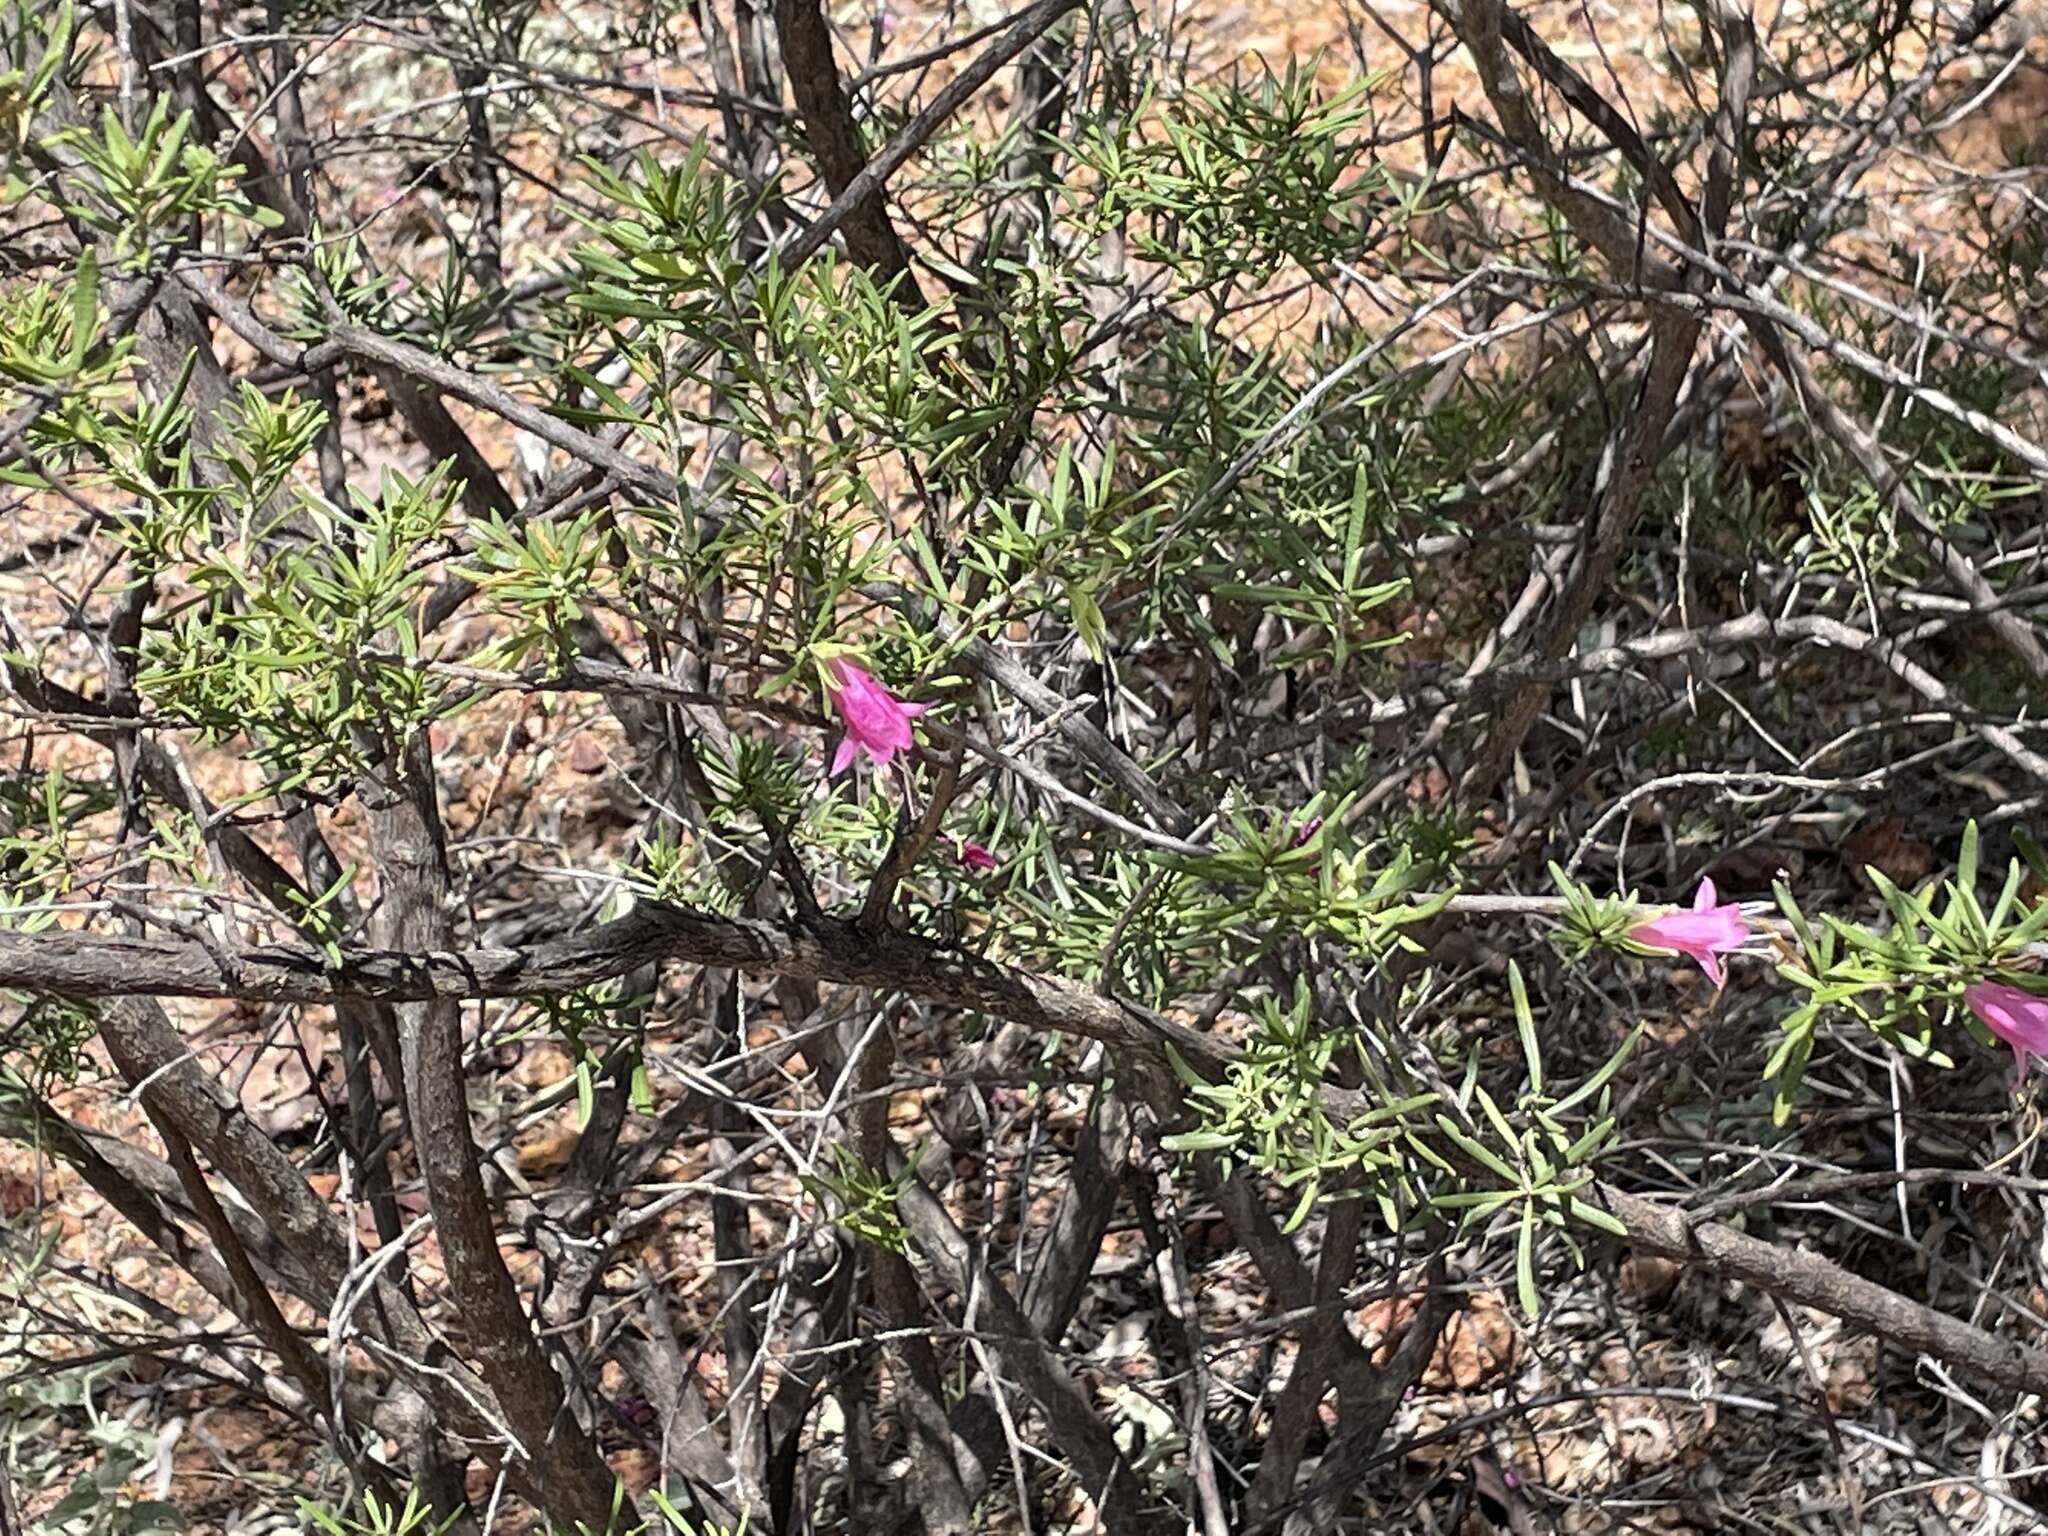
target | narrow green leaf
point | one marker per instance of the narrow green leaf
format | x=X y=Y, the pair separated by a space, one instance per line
x=1593 y=1216
x=1501 y=1127
x=1525 y=1263
x=1198 y=1141
x=1187 y=1074
x=1599 y=1079
x=1477 y=1150
x=1301 y=1209
x=85 y=305
x=1589 y=1143
x=1525 y=1023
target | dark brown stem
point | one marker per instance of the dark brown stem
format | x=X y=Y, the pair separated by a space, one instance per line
x=835 y=142
x=99 y=966
x=569 y=1475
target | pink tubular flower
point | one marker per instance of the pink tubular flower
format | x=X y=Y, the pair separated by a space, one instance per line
x=2018 y=1018
x=877 y=722
x=973 y=856
x=1705 y=932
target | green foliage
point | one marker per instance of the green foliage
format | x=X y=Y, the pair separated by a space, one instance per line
x=140 y=448
x=36 y=54
x=1157 y=922
x=1267 y=1112
x=141 y=188
x=1420 y=1145
x=270 y=437
x=1327 y=596
x=320 y=916
x=1275 y=507
x=756 y=781
x=1895 y=980
x=1140 y=433
x=1300 y=872
x=378 y=1518
x=675 y=1523
x=670 y=249
x=1228 y=182
x=760 y=793
x=49 y=335
x=1072 y=542
x=840 y=385
x=48 y=1043
x=863 y=1199
x=41 y=817
x=543 y=576
x=336 y=274
x=33 y=1404
x=592 y=1022
x=668 y=869
x=1590 y=921
x=311 y=641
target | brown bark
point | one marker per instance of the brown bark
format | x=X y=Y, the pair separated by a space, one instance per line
x=94 y=965
x=835 y=142
x=568 y=1475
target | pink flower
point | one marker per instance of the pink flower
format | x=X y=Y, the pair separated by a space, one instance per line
x=877 y=722
x=1705 y=932
x=2018 y=1018
x=973 y=856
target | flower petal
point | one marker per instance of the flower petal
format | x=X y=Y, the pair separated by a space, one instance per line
x=2014 y=1015
x=1704 y=931
x=877 y=722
